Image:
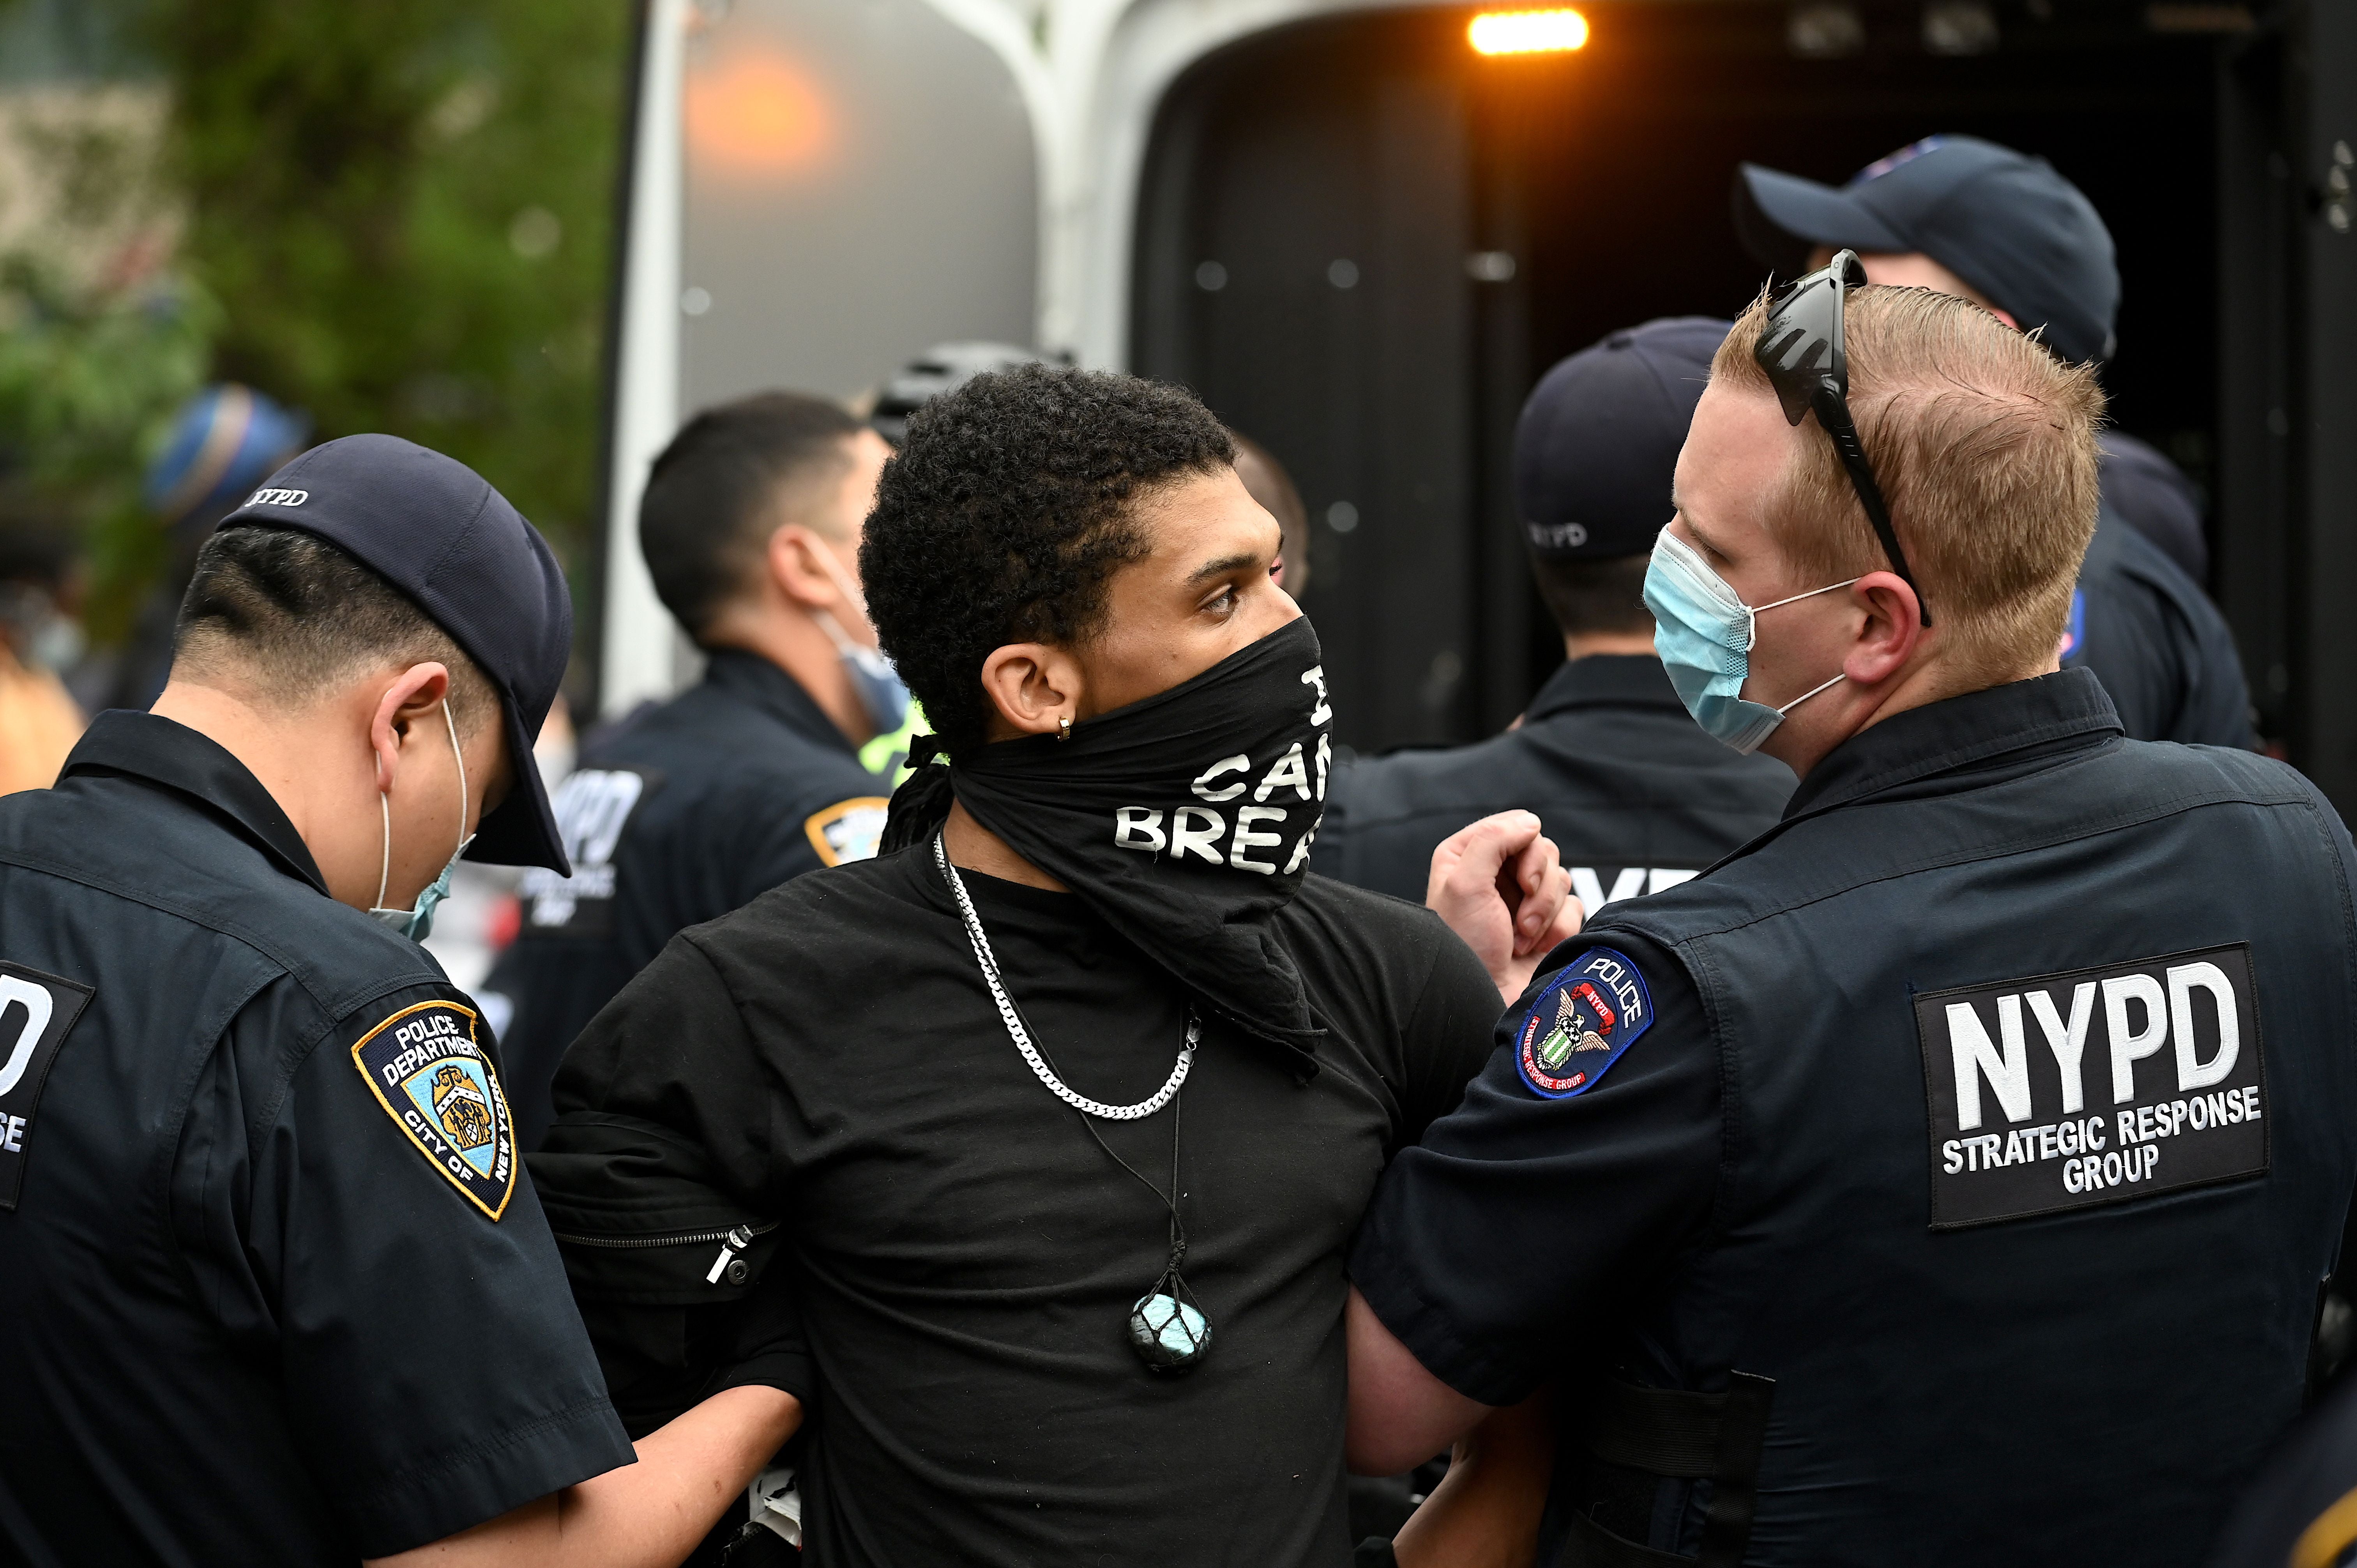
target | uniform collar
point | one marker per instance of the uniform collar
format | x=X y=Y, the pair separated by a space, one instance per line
x=1615 y=679
x=753 y=680
x=2065 y=711
x=163 y=752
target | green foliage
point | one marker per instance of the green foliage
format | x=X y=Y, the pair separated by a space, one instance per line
x=404 y=211
x=391 y=217
x=88 y=378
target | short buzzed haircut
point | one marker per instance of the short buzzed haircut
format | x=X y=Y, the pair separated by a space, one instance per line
x=1594 y=597
x=289 y=617
x=729 y=479
x=1984 y=444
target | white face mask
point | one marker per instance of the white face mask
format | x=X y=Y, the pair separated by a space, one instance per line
x=417 y=921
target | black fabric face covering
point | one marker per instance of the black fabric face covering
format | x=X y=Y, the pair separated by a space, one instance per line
x=1183 y=820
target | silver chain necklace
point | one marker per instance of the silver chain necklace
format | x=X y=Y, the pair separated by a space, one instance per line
x=1167 y=1328
x=1022 y=1036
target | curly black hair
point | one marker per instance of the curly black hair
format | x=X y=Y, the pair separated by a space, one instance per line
x=1004 y=515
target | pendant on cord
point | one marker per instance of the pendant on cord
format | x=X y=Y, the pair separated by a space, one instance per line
x=1166 y=1329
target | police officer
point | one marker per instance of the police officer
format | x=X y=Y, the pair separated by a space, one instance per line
x=1949 y=1175
x=1635 y=797
x=272 y=1286
x=1969 y=217
x=750 y=525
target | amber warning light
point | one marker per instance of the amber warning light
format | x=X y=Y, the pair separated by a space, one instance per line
x=1527 y=32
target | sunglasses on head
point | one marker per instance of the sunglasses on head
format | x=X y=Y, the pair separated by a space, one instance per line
x=1800 y=349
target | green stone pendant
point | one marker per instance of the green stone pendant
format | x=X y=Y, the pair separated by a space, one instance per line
x=1169 y=1335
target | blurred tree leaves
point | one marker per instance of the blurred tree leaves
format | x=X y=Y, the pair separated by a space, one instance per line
x=391 y=217
x=89 y=378
x=99 y=343
x=404 y=213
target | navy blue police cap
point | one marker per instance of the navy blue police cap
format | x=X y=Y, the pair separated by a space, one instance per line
x=1599 y=439
x=2026 y=238
x=437 y=529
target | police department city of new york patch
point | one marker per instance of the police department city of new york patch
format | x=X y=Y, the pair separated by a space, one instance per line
x=1592 y=1010
x=433 y=1080
x=2095 y=1086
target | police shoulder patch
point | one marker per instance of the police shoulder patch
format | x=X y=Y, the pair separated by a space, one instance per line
x=848 y=830
x=1579 y=1025
x=426 y=1069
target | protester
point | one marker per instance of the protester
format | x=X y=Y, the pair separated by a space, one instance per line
x=2003 y=230
x=277 y=1291
x=223 y=442
x=750 y=526
x=1063 y=1108
x=1635 y=797
x=1985 y=1130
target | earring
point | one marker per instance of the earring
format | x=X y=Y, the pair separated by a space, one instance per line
x=1064 y=727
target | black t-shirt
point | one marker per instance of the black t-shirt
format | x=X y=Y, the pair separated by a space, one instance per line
x=969 y=1255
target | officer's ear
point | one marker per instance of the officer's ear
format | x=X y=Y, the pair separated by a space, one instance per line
x=1890 y=630
x=1033 y=687
x=795 y=562
x=411 y=698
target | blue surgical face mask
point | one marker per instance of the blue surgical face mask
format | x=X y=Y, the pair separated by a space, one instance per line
x=1704 y=633
x=880 y=690
x=417 y=922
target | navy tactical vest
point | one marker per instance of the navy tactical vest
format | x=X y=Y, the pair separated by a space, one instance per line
x=2041 y=1089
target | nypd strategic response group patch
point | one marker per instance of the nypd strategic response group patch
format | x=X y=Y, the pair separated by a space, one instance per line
x=425 y=1069
x=2095 y=1086
x=1592 y=1010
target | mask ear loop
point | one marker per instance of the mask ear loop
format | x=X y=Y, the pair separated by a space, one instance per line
x=1751 y=627
x=1838 y=675
x=846 y=585
x=385 y=862
x=384 y=809
x=844 y=647
x=465 y=837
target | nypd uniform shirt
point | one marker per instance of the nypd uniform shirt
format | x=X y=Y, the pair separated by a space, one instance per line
x=2163 y=652
x=1999 y=1106
x=967 y=1253
x=1635 y=796
x=273 y=1287
x=691 y=809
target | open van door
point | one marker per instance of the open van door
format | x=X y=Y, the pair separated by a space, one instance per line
x=817 y=191
x=2286 y=512
x=1361 y=241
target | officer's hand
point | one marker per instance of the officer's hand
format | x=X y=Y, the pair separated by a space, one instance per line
x=1498 y=886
